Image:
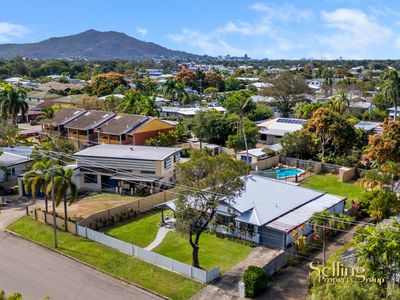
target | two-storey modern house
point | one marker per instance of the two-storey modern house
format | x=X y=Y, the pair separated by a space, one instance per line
x=127 y=168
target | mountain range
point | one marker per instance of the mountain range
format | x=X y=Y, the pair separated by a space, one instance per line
x=93 y=45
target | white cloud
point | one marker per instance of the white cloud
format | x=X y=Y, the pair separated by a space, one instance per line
x=9 y=31
x=142 y=30
x=267 y=26
x=354 y=32
x=207 y=43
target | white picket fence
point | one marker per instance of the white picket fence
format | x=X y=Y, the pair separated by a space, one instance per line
x=149 y=256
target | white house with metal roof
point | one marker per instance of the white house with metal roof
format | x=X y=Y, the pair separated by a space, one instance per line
x=127 y=168
x=171 y=111
x=272 y=130
x=15 y=161
x=269 y=210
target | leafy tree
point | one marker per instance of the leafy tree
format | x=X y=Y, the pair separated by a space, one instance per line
x=63 y=184
x=386 y=146
x=213 y=79
x=57 y=147
x=391 y=89
x=106 y=83
x=12 y=103
x=379 y=250
x=332 y=131
x=89 y=102
x=111 y=103
x=252 y=133
x=14 y=296
x=381 y=102
x=149 y=107
x=209 y=180
x=287 y=89
x=304 y=110
x=234 y=84
x=380 y=204
x=146 y=86
x=374 y=178
x=255 y=281
x=163 y=139
x=213 y=126
x=48 y=114
x=185 y=77
x=9 y=136
x=260 y=112
x=299 y=144
x=132 y=102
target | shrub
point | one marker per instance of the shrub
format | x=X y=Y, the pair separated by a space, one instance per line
x=255 y=281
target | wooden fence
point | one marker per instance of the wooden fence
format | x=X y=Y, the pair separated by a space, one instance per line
x=113 y=215
x=47 y=218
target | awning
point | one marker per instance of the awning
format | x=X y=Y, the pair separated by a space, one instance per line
x=133 y=177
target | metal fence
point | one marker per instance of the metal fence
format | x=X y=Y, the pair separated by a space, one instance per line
x=149 y=256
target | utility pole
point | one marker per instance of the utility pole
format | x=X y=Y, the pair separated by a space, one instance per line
x=323 y=245
x=53 y=203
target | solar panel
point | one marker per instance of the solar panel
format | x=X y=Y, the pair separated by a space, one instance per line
x=290 y=121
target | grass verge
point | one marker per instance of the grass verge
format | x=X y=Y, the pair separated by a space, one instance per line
x=164 y=282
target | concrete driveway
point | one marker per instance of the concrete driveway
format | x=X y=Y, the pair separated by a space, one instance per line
x=16 y=209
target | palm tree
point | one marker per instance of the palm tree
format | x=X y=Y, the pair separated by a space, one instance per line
x=63 y=184
x=37 y=179
x=391 y=89
x=149 y=107
x=338 y=104
x=13 y=102
x=131 y=103
x=169 y=87
x=180 y=93
x=48 y=114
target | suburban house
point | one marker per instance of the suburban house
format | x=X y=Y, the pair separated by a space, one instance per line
x=185 y=112
x=370 y=127
x=271 y=131
x=115 y=130
x=93 y=127
x=257 y=154
x=81 y=130
x=269 y=211
x=391 y=112
x=13 y=163
x=127 y=169
x=315 y=84
x=60 y=119
x=362 y=105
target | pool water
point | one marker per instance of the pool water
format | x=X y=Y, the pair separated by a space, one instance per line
x=285 y=172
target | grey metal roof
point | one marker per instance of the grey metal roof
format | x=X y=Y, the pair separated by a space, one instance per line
x=368 y=126
x=15 y=156
x=266 y=199
x=302 y=214
x=128 y=152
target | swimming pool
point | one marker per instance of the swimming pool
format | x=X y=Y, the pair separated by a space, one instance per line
x=285 y=172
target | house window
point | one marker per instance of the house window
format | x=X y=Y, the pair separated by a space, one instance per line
x=245 y=158
x=167 y=163
x=177 y=157
x=90 y=178
x=147 y=172
x=12 y=171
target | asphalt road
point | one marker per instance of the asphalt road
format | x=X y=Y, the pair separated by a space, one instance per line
x=36 y=272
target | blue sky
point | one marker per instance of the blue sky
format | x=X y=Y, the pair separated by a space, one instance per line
x=273 y=29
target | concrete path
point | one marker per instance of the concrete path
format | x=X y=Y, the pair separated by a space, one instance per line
x=162 y=232
x=36 y=272
x=16 y=209
x=226 y=288
x=291 y=283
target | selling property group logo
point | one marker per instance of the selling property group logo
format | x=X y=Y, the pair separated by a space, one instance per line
x=338 y=272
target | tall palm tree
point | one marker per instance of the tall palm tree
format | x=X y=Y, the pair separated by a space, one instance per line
x=63 y=184
x=169 y=87
x=180 y=93
x=37 y=179
x=391 y=89
x=48 y=114
x=13 y=102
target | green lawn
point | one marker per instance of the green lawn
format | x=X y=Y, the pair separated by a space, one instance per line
x=140 y=231
x=214 y=251
x=331 y=185
x=111 y=261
